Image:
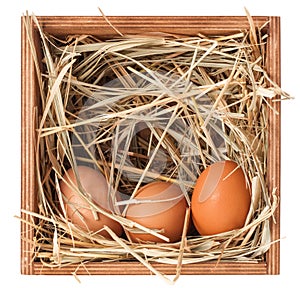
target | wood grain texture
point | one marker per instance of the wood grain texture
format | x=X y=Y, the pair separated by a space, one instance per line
x=28 y=90
x=61 y=26
x=135 y=268
x=274 y=154
x=207 y=25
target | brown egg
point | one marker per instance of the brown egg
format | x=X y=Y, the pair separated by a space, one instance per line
x=163 y=208
x=78 y=210
x=221 y=199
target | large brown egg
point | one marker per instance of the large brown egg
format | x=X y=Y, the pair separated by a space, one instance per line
x=162 y=207
x=221 y=199
x=78 y=210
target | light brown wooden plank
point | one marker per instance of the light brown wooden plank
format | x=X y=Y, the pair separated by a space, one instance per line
x=273 y=176
x=134 y=268
x=27 y=152
x=213 y=25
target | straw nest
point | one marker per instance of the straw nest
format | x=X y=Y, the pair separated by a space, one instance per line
x=202 y=99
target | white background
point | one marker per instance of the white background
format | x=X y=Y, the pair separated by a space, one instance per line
x=11 y=129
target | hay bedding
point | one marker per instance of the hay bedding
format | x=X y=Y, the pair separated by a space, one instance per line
x=201 y=99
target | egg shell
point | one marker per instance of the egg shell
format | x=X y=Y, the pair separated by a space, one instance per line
x=78 y=209
x=163 y=207
x=221 y=199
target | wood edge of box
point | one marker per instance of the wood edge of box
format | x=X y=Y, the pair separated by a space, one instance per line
x=28 y=202
x=136 y=268
x=274 y=153
x=184 y=25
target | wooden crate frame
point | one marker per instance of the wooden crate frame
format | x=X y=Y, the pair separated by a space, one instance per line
x=209 y=25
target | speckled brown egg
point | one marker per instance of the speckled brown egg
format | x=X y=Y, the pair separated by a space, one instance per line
x=221 y=199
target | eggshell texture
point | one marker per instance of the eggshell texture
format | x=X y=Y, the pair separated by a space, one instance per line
x=78 y=210
x=221 y=199
x=166 y=212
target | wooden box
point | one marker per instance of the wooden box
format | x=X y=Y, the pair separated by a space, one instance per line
x=61 y=26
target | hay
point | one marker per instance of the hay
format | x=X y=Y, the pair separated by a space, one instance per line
x=201 y=99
